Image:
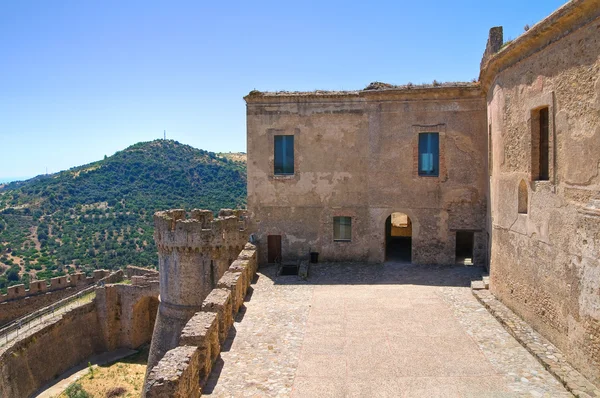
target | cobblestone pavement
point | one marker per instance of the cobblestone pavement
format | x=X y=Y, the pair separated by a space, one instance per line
x=356 y=330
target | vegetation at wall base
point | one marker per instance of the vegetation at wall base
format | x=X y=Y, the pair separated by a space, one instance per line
x=100 y=215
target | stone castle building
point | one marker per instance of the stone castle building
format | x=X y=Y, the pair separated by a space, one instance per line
x=503 y=173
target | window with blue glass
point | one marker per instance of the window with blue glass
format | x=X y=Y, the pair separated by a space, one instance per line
x=284 y=154
x=429 y=154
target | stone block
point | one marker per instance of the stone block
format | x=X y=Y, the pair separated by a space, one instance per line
x=16 y=291
x=236 y=284
x=477 y=285
x=219 y=301
x=202 y=331
x=176 y=375
x=243 y=267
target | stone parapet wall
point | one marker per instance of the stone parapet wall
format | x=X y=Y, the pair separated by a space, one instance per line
x=77 y=279
x=132 y=270
x=38 y=357
x=42 y=297
x=183 y=370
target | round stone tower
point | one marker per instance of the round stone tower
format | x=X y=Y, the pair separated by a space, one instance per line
x=191 y=257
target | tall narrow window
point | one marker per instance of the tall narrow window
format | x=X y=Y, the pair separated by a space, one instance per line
x=490 y=151
x=429 y=154
x=342 y=228
x=284 y=154
x=540 y=136
x=544 y=123
x=522 y=205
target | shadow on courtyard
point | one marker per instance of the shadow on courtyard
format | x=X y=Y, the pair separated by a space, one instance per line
x=396 y=273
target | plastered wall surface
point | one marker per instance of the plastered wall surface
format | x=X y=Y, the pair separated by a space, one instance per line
x=545 y=264
x=356 y=155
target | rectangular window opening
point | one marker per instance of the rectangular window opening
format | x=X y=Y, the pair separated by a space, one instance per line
x=540 y=144
x=544 y=124
x=490 y=153
x=342 y=228
x=429 y=154
x=284 y=155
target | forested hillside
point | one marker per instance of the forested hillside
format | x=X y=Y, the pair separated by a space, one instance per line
x=100 y=215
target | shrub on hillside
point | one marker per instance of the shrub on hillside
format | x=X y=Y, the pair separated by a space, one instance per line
x=75 y=390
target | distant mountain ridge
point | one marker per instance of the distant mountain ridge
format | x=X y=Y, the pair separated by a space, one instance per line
x=99 y=215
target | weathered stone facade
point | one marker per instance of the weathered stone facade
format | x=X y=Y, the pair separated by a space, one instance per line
x=545 y=256
x=193 y=254
x=356 y=155
x=519 y=156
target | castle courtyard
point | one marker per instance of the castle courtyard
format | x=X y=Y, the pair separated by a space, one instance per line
x=357 y=330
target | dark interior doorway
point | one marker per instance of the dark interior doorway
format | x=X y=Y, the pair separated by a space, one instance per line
x=464 y=247
x=398 y=238
x=274 y=248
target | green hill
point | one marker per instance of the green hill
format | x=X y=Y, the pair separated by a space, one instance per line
x=100 y=215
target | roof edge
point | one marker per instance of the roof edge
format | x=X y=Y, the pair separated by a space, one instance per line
x=557 y=25
x=408 y=90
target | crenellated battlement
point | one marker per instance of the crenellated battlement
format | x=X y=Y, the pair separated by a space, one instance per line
x=58 y=283
x=201 y=231
x=195 y=249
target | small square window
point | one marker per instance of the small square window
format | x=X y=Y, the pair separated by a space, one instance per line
x=284 y=155
x=342 y=228
x=429 y=154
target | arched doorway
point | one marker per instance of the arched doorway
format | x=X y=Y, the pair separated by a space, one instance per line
x=142 y=320
x=398 y=238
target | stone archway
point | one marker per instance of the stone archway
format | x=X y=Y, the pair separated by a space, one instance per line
x=143 y=317
x=398 y=238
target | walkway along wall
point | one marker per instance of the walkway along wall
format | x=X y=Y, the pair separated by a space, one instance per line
x=543 y=95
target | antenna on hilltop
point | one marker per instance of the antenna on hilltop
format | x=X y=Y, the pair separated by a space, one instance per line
x=165 y=132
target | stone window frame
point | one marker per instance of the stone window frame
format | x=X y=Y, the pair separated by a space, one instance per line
x=270 y=136
x=430 y=128
x=545 y=100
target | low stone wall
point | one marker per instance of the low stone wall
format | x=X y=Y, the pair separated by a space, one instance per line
x=29 y=362
x=127 y=313
x=39 y=297
x=60 y=282
x=132 y=270
x=183 y=370
x=120 y=316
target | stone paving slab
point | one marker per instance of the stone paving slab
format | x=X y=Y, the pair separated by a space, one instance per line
x=356 y=330
x=545 y=352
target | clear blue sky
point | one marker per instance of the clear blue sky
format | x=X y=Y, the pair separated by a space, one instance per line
x=81 y=79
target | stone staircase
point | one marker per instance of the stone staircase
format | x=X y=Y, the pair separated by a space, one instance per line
x=483 y=284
